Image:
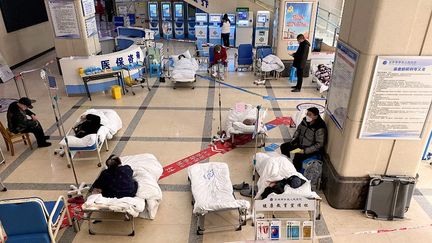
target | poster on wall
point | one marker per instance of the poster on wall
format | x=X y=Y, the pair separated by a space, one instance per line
x=341 y=83
x=91 y=26
x=400 y=98
x=64 y=19
x=88 y=7
x=297 y=20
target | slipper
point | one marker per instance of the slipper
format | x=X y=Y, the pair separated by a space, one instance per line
x=241 y=186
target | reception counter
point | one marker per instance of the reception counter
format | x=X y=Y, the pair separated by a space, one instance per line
x=74 y=83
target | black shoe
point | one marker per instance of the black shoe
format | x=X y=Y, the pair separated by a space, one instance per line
x=47 y=137
x=43 y=145
x=295 y=90
x=241 y=186
x=294 y=87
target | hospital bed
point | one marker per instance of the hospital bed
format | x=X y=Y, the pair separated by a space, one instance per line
x=111 y=124
x=272 y=167
x=234 y=125
x=267 y=65
x=212 y=192
x=146 y=171
x=184 y=70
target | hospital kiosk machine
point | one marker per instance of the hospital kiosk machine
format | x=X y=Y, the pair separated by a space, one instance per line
x=179 y=24
x=244 y=26
x=201 y=28
x=167 y=23
x=191 y=23
x=262 y=28
x=215 y=29
x=154 y=18
x=232 y=19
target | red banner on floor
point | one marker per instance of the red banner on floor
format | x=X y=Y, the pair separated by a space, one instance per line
x=220 y=148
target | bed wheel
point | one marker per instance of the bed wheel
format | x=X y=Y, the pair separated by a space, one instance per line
x=239 y=228
x=69 y=166
x=133 y=93
x=132 y=234
x=4 y=189
x=200 y=232
x=99 y=165
x=193 y=87
x=174 y=87
x=91 y=232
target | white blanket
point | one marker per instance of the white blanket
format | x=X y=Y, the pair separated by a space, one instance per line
x=130 y=205
x=185 y=70
x=274 y=167
x=212 y=188
x=111 y=124
x=272 y=63
x=146 y=171
x=234 y=122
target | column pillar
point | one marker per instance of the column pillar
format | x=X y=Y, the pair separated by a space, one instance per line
x=84 y=41
x=374 y=28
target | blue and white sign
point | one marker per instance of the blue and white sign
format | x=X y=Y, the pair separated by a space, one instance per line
x=91 y=26
x=64 y=19
x=341 y=84
x=400 y=98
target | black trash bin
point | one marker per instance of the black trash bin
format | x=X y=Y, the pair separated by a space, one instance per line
x=317 y=44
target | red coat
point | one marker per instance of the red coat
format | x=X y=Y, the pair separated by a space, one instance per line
x=222 y=56
x=99 y=7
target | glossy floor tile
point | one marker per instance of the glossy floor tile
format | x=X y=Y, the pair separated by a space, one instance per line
x=173 y=124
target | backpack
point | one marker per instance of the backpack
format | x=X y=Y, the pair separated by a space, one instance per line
x=90 y=125
x=313 y=171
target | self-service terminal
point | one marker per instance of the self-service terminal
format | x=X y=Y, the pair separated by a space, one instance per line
x=179 y=24
x=232 y=19
x=191 y=23
x=153 y=14
x=262 y=27
x=201 y=28
x=244 y=26
x=215 y=29
x=167 y=23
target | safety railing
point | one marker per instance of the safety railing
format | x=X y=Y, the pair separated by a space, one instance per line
x=327 y=26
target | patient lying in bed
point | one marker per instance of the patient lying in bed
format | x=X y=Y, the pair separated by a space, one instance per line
x=116 y=181
x=185 y=67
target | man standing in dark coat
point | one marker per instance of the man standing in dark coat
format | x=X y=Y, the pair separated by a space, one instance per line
x=300 y=58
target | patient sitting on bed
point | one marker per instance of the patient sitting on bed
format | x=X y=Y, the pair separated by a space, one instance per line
x=116 y=181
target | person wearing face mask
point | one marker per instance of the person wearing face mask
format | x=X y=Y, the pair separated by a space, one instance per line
x=308 y=140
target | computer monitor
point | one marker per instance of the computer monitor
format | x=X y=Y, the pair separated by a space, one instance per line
x=243 y=15
x=200 y=18
x=178 y=10
x=215 y=18
x=231 y=18
x=153 y=10
x=261 y=18
x=166 y=10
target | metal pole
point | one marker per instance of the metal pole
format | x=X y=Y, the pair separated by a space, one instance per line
x=220 y=100
x=254 y=161
x=59 y=122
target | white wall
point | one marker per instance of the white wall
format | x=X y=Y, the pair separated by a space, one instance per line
x=25 y=43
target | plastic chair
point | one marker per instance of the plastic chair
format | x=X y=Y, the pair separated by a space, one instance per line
x=31 y=219
x=244 y=57
x=11 y=138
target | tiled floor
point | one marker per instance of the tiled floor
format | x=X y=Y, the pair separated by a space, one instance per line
x=173 y=124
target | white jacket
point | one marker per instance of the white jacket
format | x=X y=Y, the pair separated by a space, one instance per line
x=226 y=27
